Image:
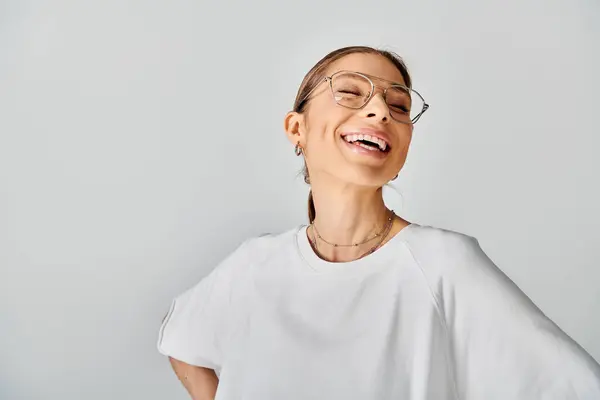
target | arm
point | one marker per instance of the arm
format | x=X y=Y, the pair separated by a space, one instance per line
x=201 y=383
x=504 y=347
x=196 y=330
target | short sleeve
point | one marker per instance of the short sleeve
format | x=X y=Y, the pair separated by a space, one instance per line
x=199 y=321
x=503 y=346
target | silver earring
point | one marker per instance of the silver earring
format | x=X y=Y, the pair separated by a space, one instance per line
x=298 y=149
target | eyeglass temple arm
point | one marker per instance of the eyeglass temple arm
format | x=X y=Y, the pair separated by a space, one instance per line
x=324 y=79
x=425 y=107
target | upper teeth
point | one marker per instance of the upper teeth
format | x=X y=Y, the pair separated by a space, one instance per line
x=354 y=137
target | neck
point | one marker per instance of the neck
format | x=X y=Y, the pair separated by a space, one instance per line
x=346 y=214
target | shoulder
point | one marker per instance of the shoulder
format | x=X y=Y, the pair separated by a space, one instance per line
x=435 y=246
x=256 y=249
x=460 y=272
x=455 y=259
x=230 y=276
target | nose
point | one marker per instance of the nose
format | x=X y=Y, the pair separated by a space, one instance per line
x=377 y=108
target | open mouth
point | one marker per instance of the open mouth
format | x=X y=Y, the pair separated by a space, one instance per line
x=368 y=142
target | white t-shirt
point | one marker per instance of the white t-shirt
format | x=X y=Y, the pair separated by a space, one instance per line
x=428 y=316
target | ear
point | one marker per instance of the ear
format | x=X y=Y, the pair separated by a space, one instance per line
x=295 y=127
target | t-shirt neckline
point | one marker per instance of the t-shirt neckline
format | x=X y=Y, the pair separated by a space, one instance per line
x=379 y=258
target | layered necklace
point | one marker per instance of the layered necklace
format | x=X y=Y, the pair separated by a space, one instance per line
x=381 y=235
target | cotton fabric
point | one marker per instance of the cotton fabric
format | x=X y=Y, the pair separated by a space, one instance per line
x=427 y=316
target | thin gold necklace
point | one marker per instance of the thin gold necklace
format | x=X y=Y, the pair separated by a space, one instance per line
x=316 y=232
x=382 y=235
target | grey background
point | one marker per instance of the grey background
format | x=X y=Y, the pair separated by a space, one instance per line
x=141 y=141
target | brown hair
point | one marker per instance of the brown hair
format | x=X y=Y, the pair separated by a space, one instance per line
x=314 y=77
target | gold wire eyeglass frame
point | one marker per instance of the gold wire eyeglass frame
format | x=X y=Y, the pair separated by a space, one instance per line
x=370 y=78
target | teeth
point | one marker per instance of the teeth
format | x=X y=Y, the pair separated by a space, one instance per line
x=351 y=138
x=355 y=137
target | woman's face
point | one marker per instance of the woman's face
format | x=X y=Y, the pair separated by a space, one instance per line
x=323 y=128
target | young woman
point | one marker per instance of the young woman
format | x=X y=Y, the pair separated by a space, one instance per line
x=360 y=303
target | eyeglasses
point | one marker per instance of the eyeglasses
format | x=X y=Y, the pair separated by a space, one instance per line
x=354 y=90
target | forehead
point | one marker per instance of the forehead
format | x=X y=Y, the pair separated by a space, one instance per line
x=369 y=64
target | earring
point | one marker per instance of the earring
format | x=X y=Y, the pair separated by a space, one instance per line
x=298 y=149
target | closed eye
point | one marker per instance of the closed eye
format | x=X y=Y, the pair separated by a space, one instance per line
x=349 y=92
x=400 y=108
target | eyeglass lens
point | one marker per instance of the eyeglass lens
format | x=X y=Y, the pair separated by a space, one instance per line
x=353 y=90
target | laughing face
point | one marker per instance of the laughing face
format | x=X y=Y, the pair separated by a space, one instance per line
x=365 y=146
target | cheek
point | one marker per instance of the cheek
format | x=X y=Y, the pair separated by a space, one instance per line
x=325 y=122
x=402 y=144
x=401 y=151
x=404 y=137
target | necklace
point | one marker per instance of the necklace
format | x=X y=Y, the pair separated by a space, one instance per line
x=316 y=232
x=386 y=230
